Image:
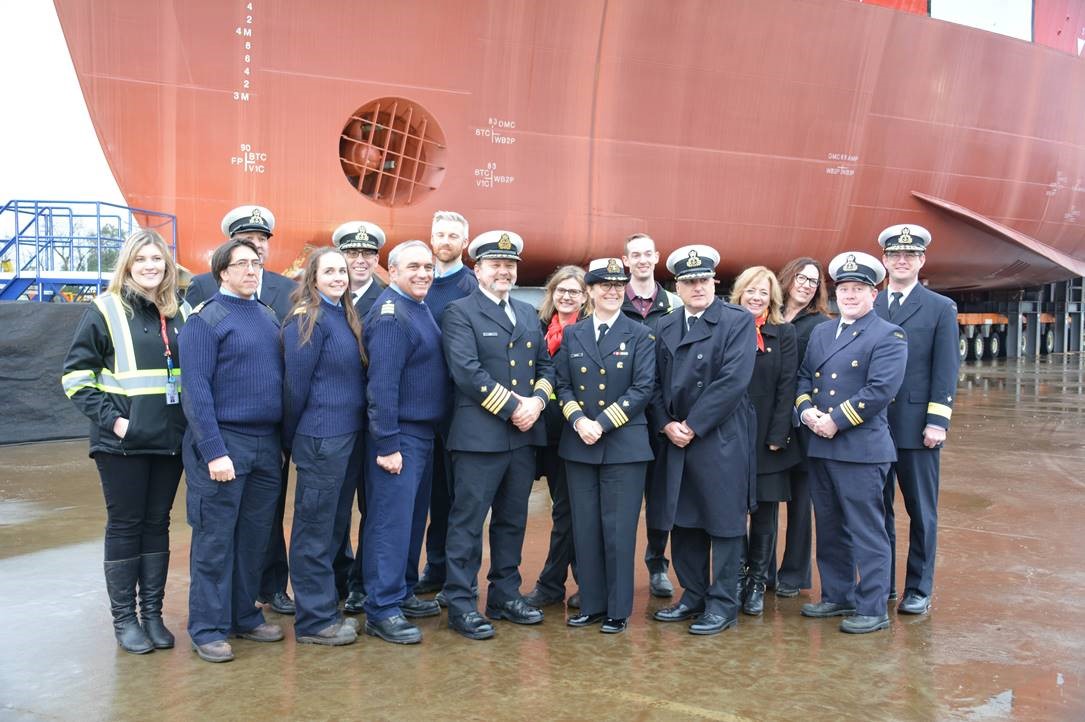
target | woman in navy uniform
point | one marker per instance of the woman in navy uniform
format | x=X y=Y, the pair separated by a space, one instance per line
x=851 y=372
x=565 y=303
x=123 y=371
x=606 y=374
x=806 y=304
x=704 y=361
x=772 y=391
x=323 y=415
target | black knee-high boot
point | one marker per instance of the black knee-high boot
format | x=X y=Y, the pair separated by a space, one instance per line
x=120 y=583
x=760 y=553
x=153 y=570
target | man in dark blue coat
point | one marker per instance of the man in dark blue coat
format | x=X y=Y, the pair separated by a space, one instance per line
x=704 y=362
x=919 y=418
x=504 y=377
x=851 y=372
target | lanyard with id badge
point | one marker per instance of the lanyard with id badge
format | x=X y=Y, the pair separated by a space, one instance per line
x=172 y=396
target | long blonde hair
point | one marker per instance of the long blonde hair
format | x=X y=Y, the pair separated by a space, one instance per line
x=755 y=274
x=165 y=296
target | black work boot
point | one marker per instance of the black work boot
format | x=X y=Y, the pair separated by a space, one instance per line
x=759 y=558
x=153 y=569
x=120 y=584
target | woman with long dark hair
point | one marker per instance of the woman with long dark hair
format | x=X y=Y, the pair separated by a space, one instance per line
x=566 y=302
x=323 y=426
x=772 y=392
x=806 y=304
x=124 y=372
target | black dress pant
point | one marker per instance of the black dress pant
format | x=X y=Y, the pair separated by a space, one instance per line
x=440 y=502
x=795 y=566
x=500 y=481
x=139 y=491
x=561 y=554
x=606 y=500
x=707 y=568
x=916 y=471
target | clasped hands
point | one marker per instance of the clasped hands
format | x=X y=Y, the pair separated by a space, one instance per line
x=820 y=423
x=527 y=411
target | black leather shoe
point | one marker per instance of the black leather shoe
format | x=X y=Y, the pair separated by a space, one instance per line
x=355 y=603
x=862 y=624
x=613 y=626
x=914 y=603
x=585 y=620
x=785 y=590
x=710 y=623
x=660 y=585
x=471 y=625
x=676 y=613
x=539 y=598
x=893 y=596
x=428 y=585
x=414 y=607
x=282 y=603
x=574 y=601
x=754 y=605
x=396 y=630
x=440 y=599
x=516 y=611
x=827 y=609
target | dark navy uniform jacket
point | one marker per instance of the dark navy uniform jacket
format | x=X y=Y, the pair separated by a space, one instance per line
x=366 y=300
x=489 y=361
x=275 y=290
x=702 y=379
x=853 y=378
x=930 y=379
x=612 y=383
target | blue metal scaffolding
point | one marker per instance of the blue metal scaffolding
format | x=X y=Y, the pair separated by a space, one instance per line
x=66 y=250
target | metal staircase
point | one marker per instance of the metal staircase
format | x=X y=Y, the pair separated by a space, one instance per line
x=66 y=250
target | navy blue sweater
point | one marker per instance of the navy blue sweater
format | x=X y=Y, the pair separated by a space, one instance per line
x=233 y=372
x=447 y=289
x=324 y=385
x=408 y=380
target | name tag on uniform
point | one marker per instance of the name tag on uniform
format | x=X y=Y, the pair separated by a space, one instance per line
x=172 y=397
x=489 y=333
x=620 y=353
x=576 y=355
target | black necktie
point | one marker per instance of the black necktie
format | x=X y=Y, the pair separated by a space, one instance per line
x=894 y=305
x=602 y=332
x=689 y=323
x=840 y=329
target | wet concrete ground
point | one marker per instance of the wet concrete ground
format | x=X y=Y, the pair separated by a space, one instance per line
x=1005 y=638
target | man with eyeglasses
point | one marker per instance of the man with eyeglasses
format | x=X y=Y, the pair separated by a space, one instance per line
x=231 y=452
x=919 y=417
x=360 y=243
x=254 y=224
x=647 y=302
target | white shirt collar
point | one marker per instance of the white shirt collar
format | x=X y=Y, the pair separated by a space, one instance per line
x=497 y=301
x=905 y=291
x=355 y=295
x=596 y=322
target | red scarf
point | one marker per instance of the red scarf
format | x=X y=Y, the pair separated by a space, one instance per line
x=555 y=331
x=758 y=323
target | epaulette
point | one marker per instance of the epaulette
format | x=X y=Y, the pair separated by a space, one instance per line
x=898 y=334
x=199 y=307
x=212 y=313
x=298 y=311
x=388 y=308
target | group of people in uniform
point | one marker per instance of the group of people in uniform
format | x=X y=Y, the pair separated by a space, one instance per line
x=441 y=397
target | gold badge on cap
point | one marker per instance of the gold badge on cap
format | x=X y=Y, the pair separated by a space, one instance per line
x=694 y=260
x=361 y=236
x=850 y=264
x=504 y=243
x=905 y=237
x=256 y=217
x=614 y=266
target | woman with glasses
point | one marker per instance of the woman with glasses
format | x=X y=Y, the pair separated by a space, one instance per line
x=565 y=303
x=606 y=373
x=806 y=304
x=124 y=372
x=772 y=392
x=324 y=386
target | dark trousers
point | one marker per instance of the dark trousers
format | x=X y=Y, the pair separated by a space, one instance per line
x=795 y=564
x=761 y=541
x=850 y=517
x=711 y=586
x=321 y=518
x=139 y=492
x=355 y=574
x=606 y=501
x=655 y=552
x=230 y=522
x=394 y=526
x=499 y=481
x=275 y=569
x=440 y=503
x=917 y=472
x=561 y=554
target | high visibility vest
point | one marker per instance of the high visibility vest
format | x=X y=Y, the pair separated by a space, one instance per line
x=125 y=378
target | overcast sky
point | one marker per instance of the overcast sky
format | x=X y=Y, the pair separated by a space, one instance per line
x=50 y=150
